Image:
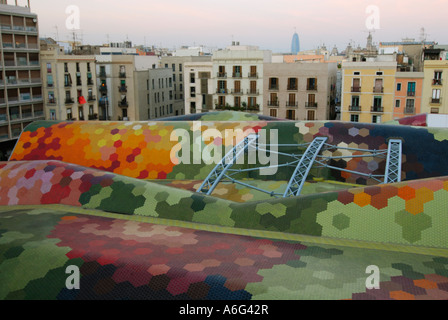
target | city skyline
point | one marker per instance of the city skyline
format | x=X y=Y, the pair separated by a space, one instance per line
x=269 y=25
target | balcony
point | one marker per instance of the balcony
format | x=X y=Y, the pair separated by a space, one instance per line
x=123 y=104
x=237 y=91
x=292 y=104
x=378 y=90
x=237 y=75
x=409 y=110
x=356 y=89
x=435 y=101
x=354 y=108
x=102 y=74
x=411 y=93
x=69 y=101
x=222 y=91
x=436 y=82
x=311 y=88
x=89 y=82
x=273 y=87
x=291 y=88
x=273 y=103
x=123 y=88
x=51 y=101
x=103 y=88
x=253 y=75
x=377 y=109
x=122 y=75
x=221 y=75
x=67 y=85
x=253 y=91
x=91 y=98
x=310 y=105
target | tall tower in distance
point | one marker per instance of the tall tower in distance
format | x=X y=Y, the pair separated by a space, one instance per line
x=295 y=44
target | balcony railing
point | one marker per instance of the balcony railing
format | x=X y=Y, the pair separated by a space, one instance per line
x=222 y=75
x=123 y=104
x=123 y=88
x=91 y=98
x=291 y=88
x=436 y=82
x=312 y=88
x=69 y=101
x=356 y=89
x=273 y=87
x=435 y=101
x=292 y=104
x=122 y=75
x=67 y=85
x=273 y=103
x=310 y=104
x=222 y=91
x=409 y=110
x=253 y=91
x=378 y=90
x=236 y=75
x=102 y=74
x=89 y=82
x=253 y=75
x=411 y=93
x=51 y=101
x=237 y=91
x=103 y=88
x=377 y=109
x=354 y=108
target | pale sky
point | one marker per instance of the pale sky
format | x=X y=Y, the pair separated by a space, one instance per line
x=268 y=24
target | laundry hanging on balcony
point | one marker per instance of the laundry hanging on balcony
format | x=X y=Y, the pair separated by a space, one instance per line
x=81 y=100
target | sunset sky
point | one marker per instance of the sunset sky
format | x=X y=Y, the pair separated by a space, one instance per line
x=268 y=24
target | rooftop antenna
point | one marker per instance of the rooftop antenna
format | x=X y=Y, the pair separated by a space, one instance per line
x=57 y=33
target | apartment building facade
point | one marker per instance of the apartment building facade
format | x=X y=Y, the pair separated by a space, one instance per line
x=155 y=94
x=368 y=91
x=117 y=87
x=435 y=90
x=198 y=87
x=180 y=75
x=69 y=87
x=408 y=94
x=300 y=90
x=237 y=78
x=21 y=100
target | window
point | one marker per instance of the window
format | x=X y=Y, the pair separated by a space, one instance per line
x=376 y=119
x=378 y=86
x=193 y=92
x=273 y=83
x=291 y=114
x=379 y=73
x=410 y=106
x=311 y=115
x=355 y=101
x=411 y=89
x=354 y=118
x=312 y=84
x=49 y=80
x=377 y=101
x=77 y=66
x=173 y=66
x=48 y=67
x=435 y=96
x=65 y=67
x=237 y=101
x=292 y=83
x=91 y=110
x=237 y=72
x=88 y=67
x=192 y=80
x=398 y=86
x=69 y=114
x=356 y=85
x=180 y=67
x=273 y=113
x=397 y=103
x=171 y=108
x=356 y=73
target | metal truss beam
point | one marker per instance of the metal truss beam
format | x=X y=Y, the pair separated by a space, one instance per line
x=298 y=178
x=226 y=163
x=393 y=163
